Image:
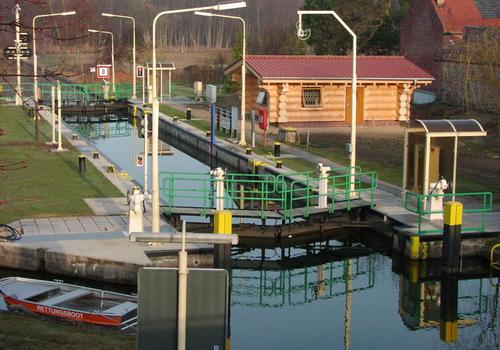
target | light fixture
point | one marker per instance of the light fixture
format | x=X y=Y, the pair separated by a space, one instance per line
x=230 y=6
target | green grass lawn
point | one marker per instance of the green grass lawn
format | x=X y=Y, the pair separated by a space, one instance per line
x=38 y=183
x=23 y=332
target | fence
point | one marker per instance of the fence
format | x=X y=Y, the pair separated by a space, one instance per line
x=417 y=203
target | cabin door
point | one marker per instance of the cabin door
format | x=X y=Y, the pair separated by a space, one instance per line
x=360 y=97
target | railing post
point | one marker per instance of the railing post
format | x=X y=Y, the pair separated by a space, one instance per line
x=323 y=185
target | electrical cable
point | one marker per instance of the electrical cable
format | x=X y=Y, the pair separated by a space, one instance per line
x=9 y=233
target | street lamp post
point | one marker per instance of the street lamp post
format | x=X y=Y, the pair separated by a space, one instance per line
x=35 y=58
x=303 y=34
x=243 y=70
x=155 y=193
x=112 y=54
x=134 y=92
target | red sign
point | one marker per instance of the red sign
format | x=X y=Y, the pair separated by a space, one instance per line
x=103 y=71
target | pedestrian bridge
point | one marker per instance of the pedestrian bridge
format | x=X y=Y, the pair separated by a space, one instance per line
x=71 y=94
x=284 y=197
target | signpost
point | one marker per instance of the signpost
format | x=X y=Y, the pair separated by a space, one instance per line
x=11 y=52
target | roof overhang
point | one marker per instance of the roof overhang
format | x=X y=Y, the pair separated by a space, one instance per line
x=447 y=128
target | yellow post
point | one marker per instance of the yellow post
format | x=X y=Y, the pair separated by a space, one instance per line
x=449 y=331
x=414 y=271
x=134 y=114
x=415 y=247
x=223 y=222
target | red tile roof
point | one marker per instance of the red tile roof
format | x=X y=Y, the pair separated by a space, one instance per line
x=456 y=14
x=332 y=67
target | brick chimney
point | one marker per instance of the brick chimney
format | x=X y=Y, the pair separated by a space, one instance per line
x=440 y=2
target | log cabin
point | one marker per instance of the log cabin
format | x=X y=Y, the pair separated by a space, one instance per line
x=316 y=90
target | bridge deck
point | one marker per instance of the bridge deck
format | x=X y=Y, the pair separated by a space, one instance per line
x=269 y=214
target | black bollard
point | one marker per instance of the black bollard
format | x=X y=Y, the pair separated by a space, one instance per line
x=248 y=151
x=277 y=149
x=188 y=114
x=81 y=163
x=452 y=243
x=449 y=308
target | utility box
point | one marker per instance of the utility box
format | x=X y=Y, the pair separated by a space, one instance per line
x=198 y=90
x=211 y=93
x=430 y=152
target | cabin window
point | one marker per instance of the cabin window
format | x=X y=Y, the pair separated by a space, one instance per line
x=311 y=97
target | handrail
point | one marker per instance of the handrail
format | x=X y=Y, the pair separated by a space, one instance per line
x=276 y=193
x=417 y=203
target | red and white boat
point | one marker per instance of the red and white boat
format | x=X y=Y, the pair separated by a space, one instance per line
x=69 y=301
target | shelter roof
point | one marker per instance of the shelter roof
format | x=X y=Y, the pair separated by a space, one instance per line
x=448 y=128
x=456 y=14
x=161 y=65
x=278 y=67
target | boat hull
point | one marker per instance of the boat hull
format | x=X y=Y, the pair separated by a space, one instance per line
x=86 y=317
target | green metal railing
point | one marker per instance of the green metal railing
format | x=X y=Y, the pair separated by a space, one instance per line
x=87 y=92
x=70 y=92
x=265 y=192
x=417 y=203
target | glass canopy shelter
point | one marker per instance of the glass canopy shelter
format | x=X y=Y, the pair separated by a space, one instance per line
x=430 y=152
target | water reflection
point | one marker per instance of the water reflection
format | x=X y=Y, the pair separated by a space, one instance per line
x=335 y=295
x=94 y=131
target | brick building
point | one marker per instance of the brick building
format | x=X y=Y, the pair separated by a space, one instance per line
x=431 y=27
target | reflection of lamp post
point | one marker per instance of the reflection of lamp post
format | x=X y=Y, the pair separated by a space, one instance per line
x=155 y=192
x=243 y=69
x=304 y=34
x=112 y=53
x=35 y=58
x=134 y=96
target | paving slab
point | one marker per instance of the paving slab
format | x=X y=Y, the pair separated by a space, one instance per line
x=108 y=206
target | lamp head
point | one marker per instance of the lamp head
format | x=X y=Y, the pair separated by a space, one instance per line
x=107 y=14
x=69 y=13
x=206 y=14
x=230 y=6
x=302 y=34
x=93 y=31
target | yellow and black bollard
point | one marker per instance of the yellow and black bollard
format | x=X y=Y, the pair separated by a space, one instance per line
x=449 y=308
x=223 y=224
x=450 y=258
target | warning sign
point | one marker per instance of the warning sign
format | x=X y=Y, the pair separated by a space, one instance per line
x=140 y=160
x=140 y=72
x=103 y=71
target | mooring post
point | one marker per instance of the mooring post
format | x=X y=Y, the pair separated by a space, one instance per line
x=323 y=185
x=450 y=258
x=448 y=331
x=277 y=149
x=223 y=224
x=81 y=163
x=415 y=247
